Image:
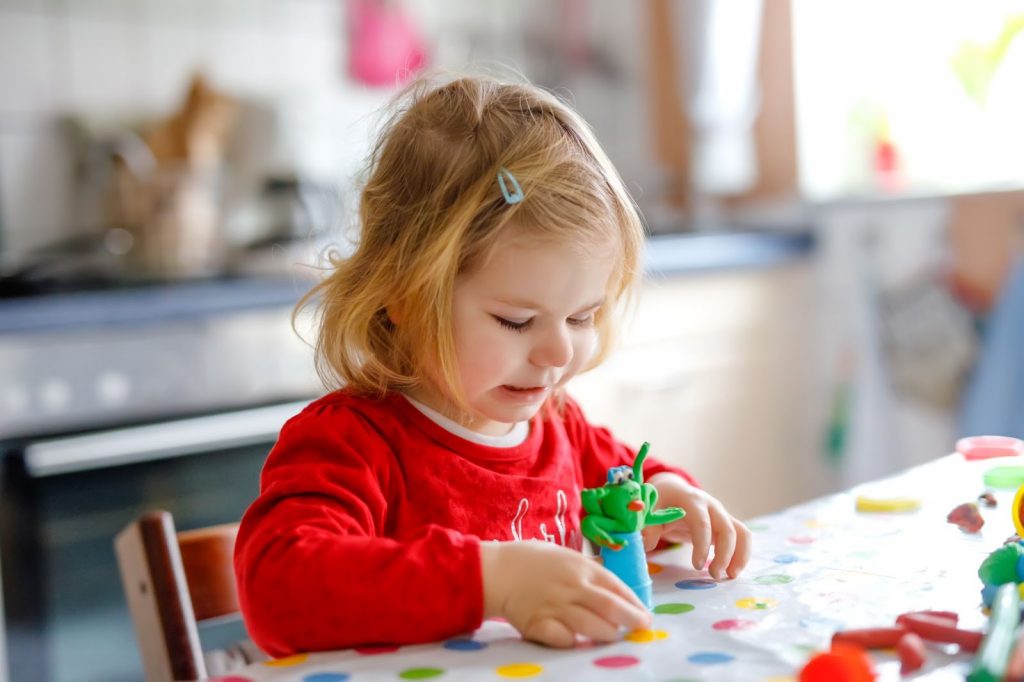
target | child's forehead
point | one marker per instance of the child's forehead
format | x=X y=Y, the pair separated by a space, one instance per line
x=532 y=275
x=524 y=245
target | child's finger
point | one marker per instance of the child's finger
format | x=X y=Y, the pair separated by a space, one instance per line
x=589 y=624
x=616 y=603
x=725 y=542
x=552 y=632
x=744 y=545
x=700 y=536
x=676 y=532
x=652 y=534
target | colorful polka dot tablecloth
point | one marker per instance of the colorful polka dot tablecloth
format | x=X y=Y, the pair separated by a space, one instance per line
x=816 y=568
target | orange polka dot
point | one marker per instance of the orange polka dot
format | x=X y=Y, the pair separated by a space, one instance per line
x=644 y=636
x=287 y=661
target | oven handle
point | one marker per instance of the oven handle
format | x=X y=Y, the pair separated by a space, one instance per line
x=164 y=440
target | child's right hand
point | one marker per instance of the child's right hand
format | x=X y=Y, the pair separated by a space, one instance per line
x=551 y=594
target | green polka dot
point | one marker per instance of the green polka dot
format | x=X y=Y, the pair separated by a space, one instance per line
x=673 y=609
x=805 y=650
x=757 y=527
x=774 y=579
x=420 y=673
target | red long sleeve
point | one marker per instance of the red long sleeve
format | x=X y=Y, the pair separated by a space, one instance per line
x=370 y=515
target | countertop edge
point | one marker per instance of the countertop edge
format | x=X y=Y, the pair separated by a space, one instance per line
x=666 y=255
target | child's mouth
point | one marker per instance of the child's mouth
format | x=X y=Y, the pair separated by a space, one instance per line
x=524 y=392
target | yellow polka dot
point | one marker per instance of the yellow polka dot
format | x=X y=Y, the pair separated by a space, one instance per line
x=287 y=661
x=519 y=670
x=756 y=603
x=815 y=523
x=654 y=569
x=643 y=635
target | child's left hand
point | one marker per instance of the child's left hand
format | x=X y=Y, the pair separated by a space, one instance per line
x=706 y=523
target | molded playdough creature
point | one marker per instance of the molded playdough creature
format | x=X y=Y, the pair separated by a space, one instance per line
x=616 y=513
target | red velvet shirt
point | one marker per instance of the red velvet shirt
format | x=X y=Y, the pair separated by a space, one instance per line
x=370 y=515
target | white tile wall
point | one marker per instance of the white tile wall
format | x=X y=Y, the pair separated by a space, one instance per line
x=118 y=60
x=26 y=77
x=121 y=59
x=101 y=59
x=35 y=187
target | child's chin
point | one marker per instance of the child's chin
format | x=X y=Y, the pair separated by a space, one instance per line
x=502 y=418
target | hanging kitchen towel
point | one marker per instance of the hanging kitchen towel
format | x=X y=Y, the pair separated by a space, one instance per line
x=994 y=400
x=384 y=46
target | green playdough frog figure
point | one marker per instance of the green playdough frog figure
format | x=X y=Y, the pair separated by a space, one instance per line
x=625 y=504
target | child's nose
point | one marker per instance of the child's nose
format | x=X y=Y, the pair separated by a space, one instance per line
x=554 y=349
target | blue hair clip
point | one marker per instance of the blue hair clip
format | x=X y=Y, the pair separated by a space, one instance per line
x=514 y=196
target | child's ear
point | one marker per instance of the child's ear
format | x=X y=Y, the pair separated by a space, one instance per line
x=393 y=314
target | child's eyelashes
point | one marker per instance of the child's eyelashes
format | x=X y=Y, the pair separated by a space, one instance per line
x=525 y=324
x=581 y=321
x=514 y=326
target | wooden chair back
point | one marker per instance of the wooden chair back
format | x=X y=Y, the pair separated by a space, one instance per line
x=173 y=581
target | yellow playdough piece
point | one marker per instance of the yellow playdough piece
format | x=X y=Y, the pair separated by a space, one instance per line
x=1018 y=511
x=887 y=504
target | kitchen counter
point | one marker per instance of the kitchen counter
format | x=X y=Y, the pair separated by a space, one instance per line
x=141 y=305
x=666 y=255
x=680 y=254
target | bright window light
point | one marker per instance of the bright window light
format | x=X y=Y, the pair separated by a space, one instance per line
x=914 y=96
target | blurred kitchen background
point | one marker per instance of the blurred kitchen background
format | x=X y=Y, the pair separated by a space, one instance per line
x=835 y=194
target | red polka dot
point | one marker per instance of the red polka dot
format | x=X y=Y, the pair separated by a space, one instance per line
x=734 y=624
x=374 y=650
x=616 y=661
x=801 y=539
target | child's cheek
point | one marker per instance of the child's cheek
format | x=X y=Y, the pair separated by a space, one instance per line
x=584 y=351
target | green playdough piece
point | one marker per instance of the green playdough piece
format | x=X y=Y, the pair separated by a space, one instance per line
x=1000 y=566
x=992 y=658
x=625 y=506
x=1010 y=477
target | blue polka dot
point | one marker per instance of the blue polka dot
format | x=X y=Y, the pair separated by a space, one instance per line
x=821 y=623
x=464 y=645
x=326 y=677
x=709 y=658
x=699 y=584
x=786 y=558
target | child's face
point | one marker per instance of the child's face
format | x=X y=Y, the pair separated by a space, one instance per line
x=524 y=326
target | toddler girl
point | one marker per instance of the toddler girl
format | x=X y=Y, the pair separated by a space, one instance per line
x=440 y=484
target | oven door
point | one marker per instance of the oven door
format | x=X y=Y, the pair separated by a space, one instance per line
x=62 y=502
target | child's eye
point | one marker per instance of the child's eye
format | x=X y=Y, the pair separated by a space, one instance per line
x=514 y=326
x=582 y=321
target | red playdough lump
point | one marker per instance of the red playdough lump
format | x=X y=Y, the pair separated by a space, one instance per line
x=967 y=517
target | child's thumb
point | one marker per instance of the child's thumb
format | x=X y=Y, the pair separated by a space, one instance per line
x=651 y=535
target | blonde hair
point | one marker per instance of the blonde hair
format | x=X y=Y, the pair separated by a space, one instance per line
x=432 y=209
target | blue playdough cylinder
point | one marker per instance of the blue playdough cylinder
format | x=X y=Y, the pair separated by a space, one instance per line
x=630 y=564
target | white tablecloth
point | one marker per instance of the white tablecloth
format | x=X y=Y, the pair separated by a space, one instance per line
x=817 y=568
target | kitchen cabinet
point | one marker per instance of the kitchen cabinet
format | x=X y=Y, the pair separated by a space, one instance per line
x=718 y=371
